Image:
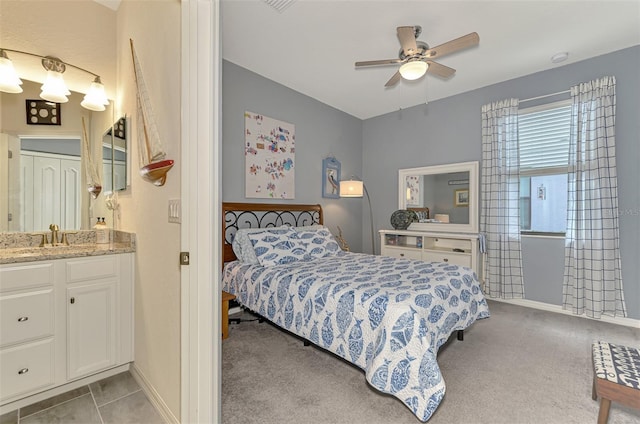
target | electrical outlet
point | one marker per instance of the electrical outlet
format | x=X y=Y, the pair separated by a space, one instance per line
x=174 y=211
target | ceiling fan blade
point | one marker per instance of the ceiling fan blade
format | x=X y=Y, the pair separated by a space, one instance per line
x=394 y=79
x=378 y=62
x=407 y=36
x=463 y=42
x=440 y=70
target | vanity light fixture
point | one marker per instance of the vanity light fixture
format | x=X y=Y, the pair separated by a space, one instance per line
x=54 y=88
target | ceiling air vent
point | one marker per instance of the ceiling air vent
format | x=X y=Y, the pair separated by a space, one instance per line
x=279 y=5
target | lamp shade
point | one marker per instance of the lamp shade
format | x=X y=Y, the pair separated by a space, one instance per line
x=95 y=99
x=54 y=89
x=351 y=189
x=9 y=81
x=413 y=70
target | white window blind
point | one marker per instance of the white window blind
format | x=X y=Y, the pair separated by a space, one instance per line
x=544 y=136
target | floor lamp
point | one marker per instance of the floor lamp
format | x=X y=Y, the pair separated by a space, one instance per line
x=355 y=188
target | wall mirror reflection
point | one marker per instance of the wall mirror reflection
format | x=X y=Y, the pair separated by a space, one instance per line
x=42 y=179
x=445 y=197
x=114 y=156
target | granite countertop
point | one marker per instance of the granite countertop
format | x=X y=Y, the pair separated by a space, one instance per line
x=20 y=247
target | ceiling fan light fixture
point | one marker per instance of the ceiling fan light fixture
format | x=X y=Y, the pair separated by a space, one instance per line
x=413 y=70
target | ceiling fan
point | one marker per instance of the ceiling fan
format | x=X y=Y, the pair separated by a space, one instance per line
x=415 y=56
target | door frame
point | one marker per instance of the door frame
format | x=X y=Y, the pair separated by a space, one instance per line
x=200 y=192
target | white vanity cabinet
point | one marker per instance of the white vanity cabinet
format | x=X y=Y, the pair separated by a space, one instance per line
x=454 y=248
x=63 y=320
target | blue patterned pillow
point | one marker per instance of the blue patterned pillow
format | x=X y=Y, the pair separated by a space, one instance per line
x=242 y=246
x=278 y=248
x=321 y=242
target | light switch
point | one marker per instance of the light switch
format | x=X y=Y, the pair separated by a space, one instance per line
x=174 y=211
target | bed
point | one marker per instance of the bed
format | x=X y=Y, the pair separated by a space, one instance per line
x=387 y=316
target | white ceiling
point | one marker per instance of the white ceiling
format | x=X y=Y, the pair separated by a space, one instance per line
x=312 y=45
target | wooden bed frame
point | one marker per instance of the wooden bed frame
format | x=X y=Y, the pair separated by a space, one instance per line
x=263 y=215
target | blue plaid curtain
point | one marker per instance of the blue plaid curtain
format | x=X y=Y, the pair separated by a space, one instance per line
x=593 y=277
x=500 y=216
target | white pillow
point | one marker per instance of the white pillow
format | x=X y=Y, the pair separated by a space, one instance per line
x=278 y=248
x=242 y=246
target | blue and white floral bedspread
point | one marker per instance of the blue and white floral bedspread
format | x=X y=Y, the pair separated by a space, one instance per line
x=386 y=315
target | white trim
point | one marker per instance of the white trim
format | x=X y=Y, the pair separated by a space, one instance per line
x=153 y=396
x=200 y=192
x=627 y=322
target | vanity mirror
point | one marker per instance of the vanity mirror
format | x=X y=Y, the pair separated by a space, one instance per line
x=449 y=192
x=114 y=156
x=42 y=180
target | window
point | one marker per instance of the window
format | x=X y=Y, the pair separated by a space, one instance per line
x=543 y=133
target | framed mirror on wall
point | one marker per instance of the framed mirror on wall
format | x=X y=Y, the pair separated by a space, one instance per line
x=114 y=156
x=448 y=192
x=42 y=173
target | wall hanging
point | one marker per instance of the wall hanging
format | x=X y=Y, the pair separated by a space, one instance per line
x=41 y=112
x=151 y=149
x=331 y=178
x=269 y=153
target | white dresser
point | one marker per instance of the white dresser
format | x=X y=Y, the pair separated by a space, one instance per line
x=63 y=321
x=454 y=248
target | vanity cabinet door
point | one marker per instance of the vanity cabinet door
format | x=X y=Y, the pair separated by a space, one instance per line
x=92 y=328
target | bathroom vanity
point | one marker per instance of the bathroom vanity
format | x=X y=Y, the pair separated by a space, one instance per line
x=66 y=318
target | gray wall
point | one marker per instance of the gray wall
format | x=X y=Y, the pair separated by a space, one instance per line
x=448 y=130
x=321 y=131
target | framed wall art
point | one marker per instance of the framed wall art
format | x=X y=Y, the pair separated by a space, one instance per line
x=269 y=152
x=41 y=112
x=331 y=178
x=461 y=197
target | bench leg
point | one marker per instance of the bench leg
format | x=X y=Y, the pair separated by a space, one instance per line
x=225 y=319
x=603 y=415
x=461 y=335
x=594 y=394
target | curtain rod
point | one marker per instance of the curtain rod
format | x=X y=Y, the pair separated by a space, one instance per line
x=546 y=95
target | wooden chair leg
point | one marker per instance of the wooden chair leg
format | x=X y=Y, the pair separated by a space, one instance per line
x=603 y=415
x=594 y=394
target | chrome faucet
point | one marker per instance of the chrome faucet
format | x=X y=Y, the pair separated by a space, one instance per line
x=54 y=234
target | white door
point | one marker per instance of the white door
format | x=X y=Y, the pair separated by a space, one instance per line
x=46 y=192
x=70 y=194
x=91 y=328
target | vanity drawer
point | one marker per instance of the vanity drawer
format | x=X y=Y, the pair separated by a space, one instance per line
x=454 y=258
x=25 y=368
x=26 y=316
x=19 y=277
x=402 y=253
x=94 y=268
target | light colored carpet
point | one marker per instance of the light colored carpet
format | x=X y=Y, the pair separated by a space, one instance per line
x=520 y=366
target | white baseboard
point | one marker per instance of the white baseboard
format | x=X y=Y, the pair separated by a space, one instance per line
x=627 y=322
x=154 y=397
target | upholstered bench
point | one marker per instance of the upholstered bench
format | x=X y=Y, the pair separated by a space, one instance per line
x=616 y=377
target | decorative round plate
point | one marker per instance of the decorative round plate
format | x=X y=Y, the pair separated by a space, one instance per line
x=401 y=219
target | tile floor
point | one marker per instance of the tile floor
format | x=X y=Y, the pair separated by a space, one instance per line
x=117 y=399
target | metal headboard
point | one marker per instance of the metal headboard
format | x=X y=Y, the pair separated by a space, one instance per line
x=263 y=215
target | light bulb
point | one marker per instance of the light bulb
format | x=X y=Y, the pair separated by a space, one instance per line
x=95 y=99
x=54 y=89
x=9 y=81
x=413 y=70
